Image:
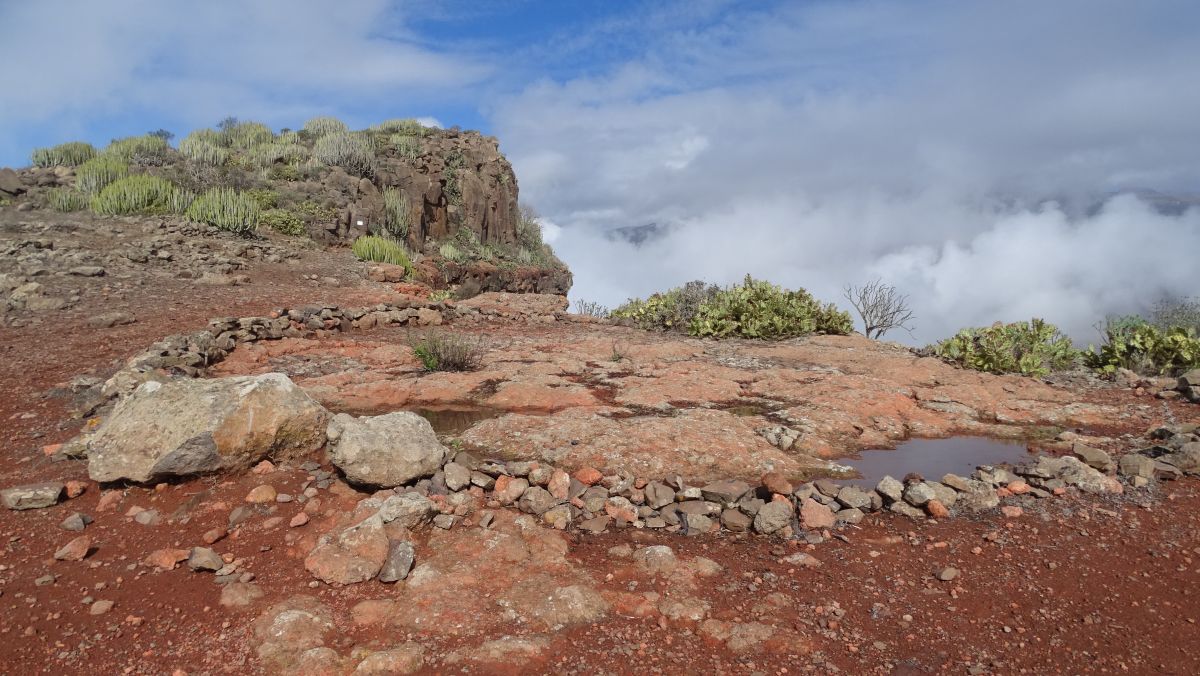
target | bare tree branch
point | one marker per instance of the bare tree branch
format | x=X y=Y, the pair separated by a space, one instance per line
x=880 y=307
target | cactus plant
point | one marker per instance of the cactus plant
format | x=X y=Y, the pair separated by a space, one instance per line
x=226 y=209
x=63 y=155
x=398 y=213
x=66 y=199
x=92 y=176
x=137 y=194
x=323 y=126
x=347 y=150
x=381 y=250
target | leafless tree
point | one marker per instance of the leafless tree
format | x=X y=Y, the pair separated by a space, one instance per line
x=881 y=308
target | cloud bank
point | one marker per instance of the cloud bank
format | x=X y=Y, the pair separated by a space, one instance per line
x=958 y=150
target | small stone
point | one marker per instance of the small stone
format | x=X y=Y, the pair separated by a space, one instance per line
x=166 y=559
x=656 y=560
x=213 y=535
x=947 y=574
x=559 y=484
x=1011 y=511
x=456 y=476
x=1093 y=457
x=773 y=516
x=814 y=515
x=261 y=495
x=399 y=561
x=936 y=509
x=75 y=522
x=203 y=558
x=891 y=489
x=725 y=492
x=100 y=607
x=735 y=520
x=444 y=521
x=588 y=476
x=238 y=594
x=75 y=489
x=32 y=496
x=777 y=483
x=299 y=520
x=558 y=517
x=918 y=494
x=75 y=550
x=596 y=524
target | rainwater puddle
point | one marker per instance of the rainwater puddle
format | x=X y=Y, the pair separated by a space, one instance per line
x=934 y=458
x=455 y=421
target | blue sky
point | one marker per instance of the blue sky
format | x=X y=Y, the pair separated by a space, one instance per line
x=951 y=147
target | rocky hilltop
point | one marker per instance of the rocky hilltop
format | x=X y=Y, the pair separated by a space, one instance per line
x=448 y=196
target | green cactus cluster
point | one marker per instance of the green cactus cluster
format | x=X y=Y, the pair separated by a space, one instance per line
x=203 y=147
x=1033 y=348
x=348 y=150
x=378 y=249
x=67 y=199
x=325 y=125
x=92 y=176
x=135 y=148
x=1145 y=348
x=246 y=135
x=136 y=194
x=397 y=213
x=70 y=154
x=226 y=209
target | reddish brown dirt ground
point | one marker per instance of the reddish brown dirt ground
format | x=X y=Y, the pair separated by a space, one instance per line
x=1073 y=586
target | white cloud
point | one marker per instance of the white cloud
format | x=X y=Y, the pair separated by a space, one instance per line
x=822 y=144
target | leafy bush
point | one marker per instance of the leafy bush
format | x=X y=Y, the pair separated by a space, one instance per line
x=316 y=213
x=283 y=221
x=263 y=197
x=202 y=146
x=381 y=250
x=245 y=135
x=92 y=176
x=759 y=309
x=445 y=352
x=1033 y=348
x=66 y=199
x=1144 y=348
x=137 y=194
x=347 y=150
x=64 y=155
x=284 y=172
x=398 y=214
x=145 y=149
x=226 y=209
x=669 y=310
x=323 y=126
x=455 y=164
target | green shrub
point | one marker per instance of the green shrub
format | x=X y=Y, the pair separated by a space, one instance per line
x=226 y=209
x=406 y=126
x=263 y=197
x=181 y=200
x=671 y=310
x=316 y=213
x=446 y=352
x=92 y=176
x=283 y=221
x=759 y=309
x=407 y=146
x=455 y=165
x=245 y=135
x=398 y=214
x=1033 y=348
x=203 y=147
x=452 y=253
x=64 y=155
x=137 y=194
x=381 y=250
x=284 y=172
x=67 y=199
x=323 y=126
x=347 y=150
x=144 y=149
x=267 y=155
x=1145 y=348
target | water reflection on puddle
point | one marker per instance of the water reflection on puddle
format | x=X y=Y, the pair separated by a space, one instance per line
x=455 y=421
x=934 y=458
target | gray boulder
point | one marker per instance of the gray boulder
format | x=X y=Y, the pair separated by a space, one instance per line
x=33 y=496
x=1094 y=457
x=190 y=426
x=385 y=450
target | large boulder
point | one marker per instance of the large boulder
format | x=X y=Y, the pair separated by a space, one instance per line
x=385 y=450
x=187 y=426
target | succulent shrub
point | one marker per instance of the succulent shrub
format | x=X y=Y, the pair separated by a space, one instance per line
x=448 y=352
x=92 y=176
x=137 y=194
x=283 y=221
x=144 y=149
x=406 y=145
x=203 y=147
x=759 y=309
x=378 y=249
x=452 y=253
x=347 y=150
x=1033 y=348
x=67 y=199
x=671 y=310
x=407 y=126
x=1145 y=348
x=455 y=165
x=70 y=154
x=266 y=155
x=323 y=126
x=245 y=135
x=226 y=209
x=397 y=213
x=315 y=212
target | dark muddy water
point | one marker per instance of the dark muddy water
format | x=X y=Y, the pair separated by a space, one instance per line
x=934 y=458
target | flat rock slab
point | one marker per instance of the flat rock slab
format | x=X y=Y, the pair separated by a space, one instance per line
x=32 y=496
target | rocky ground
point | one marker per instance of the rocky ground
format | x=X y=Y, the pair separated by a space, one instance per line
x=254 y=571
